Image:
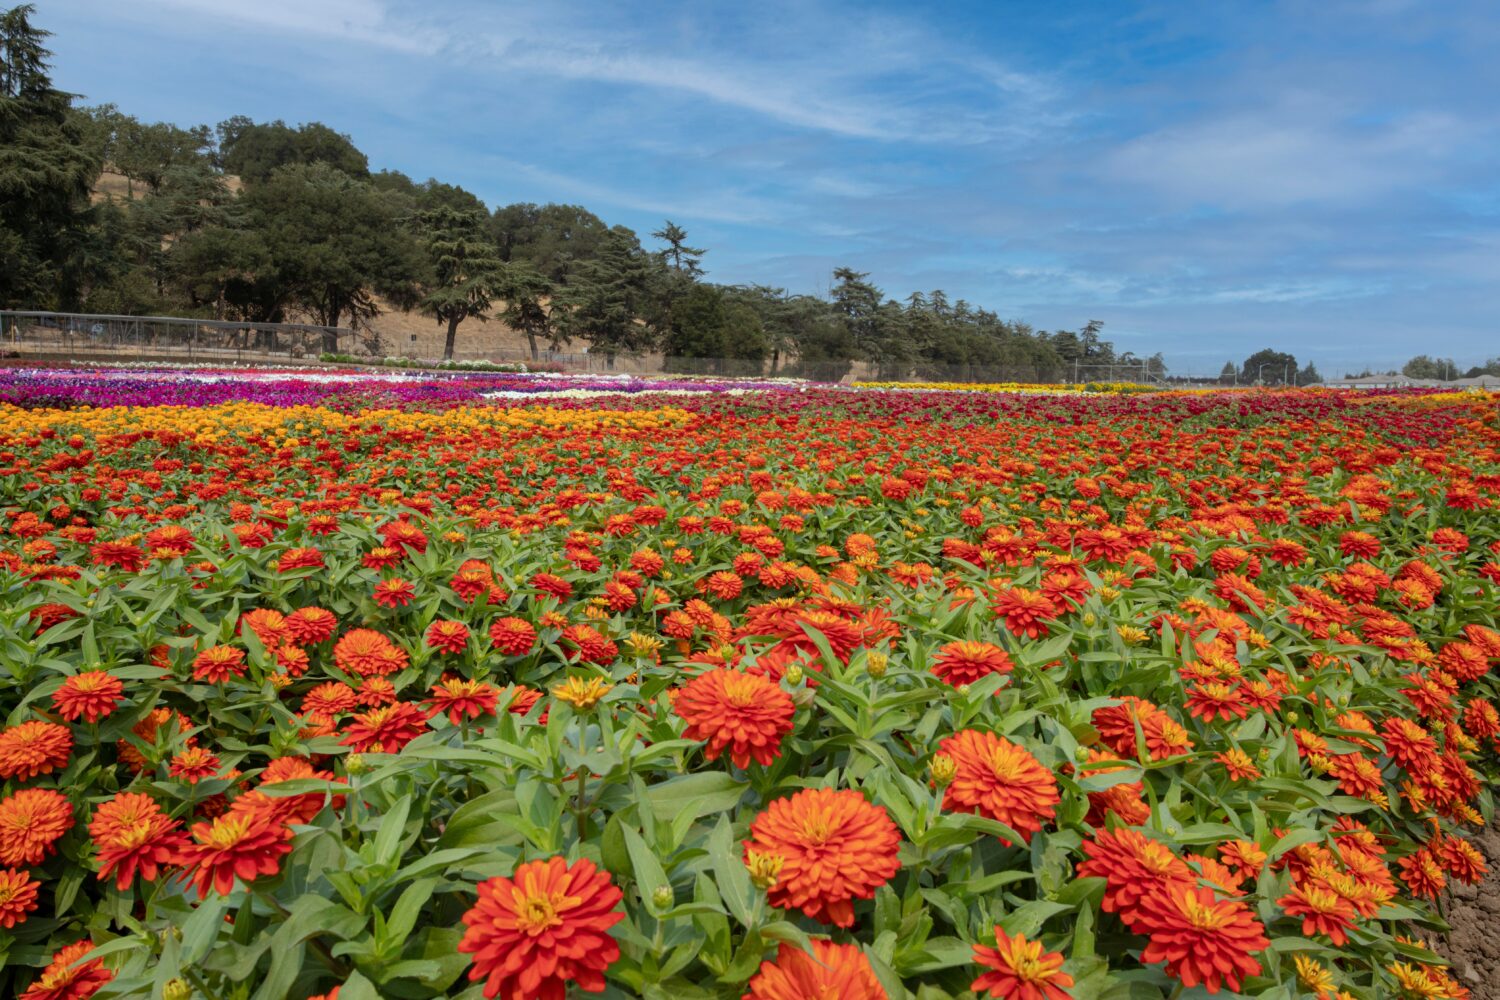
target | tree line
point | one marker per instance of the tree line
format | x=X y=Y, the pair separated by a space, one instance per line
x=268 y=222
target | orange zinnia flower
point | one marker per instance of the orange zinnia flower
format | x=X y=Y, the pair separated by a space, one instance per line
x=130 y=833
x=544 y=927
x=217 y=664
x=17 y=897
x=831 y=970
x=1136 y=869
x=90 y=696
x=194 y=764
x=462 y=698
x=1000 y=780
x=309 y=626
x=959 y=663
x=34 y=748
x=835 y=846
x=1202 y=939
x=366 y=652
x=512 y=636
x=1322 y=910
x=386 y=729
x=62 y=980
x=1020 y=970
x=747 y=714
x=1025 y=611
x=31 y=822
x=244 y=843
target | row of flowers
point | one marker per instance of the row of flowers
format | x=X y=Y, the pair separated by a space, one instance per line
x=778 y=695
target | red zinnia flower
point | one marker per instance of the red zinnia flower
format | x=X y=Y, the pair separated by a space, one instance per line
x=1202 y=939
x=1000 y=780
x=31 y=822
x=62 y=980
x=959 y=663
x=298 y=808
x=394 y=593
x=512 y=636
x=462 y=699
x=243 y=843
x=90 y=696
x=194 y=764
x=544 y=927
x=130 y=833
x=295 y=559
x=366 y=652
x=386 y=729
x=34 y=748
x=17 y=897
x=747 y=714
x=308 y=626
x=835 y=848
x=1020 y=970
x=448 y=636
x=832 y=970
x=1025 y=611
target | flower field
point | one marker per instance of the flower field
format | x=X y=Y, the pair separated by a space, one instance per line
x=482 y=685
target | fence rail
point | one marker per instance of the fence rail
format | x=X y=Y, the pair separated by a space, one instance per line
x=89 y=335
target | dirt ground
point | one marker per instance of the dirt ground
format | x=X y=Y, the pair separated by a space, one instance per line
x=1473 y=946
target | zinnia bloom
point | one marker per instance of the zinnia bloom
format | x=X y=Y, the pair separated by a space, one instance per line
x=217 y=664
x=838 y=971
x=62 y=980
x=1322 y=910
x=544 y=927
x=89 y=696
x=462 y=699
x=959 y=663
x=309 y=626
x=1020 y=970
x=1204 y=941
x=244 y=843
x=366 y=652
x=1025 y=611
x=130 y=834
x=34 y=748
x=747 y=714
x=512 y=636
x=582 y=694
x=448 y=636
x=836 y=848
x=394 y=593
x=1000 y=780
x=17 y=897
x=194 y=764
x=1136 y=869
x=31 y=823
x=385 y=729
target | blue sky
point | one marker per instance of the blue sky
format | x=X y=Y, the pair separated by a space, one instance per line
x=1319 y=176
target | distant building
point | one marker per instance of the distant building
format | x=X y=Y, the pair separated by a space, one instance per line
x=1398 y=381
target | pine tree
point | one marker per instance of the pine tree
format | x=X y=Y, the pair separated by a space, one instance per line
x=468 y=272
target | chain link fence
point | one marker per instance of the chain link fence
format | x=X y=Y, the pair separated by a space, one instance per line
x=50 y=335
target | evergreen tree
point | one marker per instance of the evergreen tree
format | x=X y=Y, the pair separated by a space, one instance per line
x=47 y=167
x=607 y=300
x=467 y=274
x=682 y=258
x=528 y=306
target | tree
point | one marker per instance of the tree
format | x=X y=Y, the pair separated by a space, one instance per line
x=708 y=323
x=47 y=168
x=857 y=304
x=335 y=243
x=528 y=306
x=1423 y=366
x=1269 y=367
x=1229 y=375
x=607 y=301
x=555 y=240
x=1309 y=375
x=255 y=151
x=467 y=273
x=149 y=152
x=211 y=265
x=682 y=258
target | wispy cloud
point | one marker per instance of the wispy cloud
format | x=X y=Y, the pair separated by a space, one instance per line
x=363 y=21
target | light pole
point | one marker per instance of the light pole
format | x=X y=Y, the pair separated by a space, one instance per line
x=1260 y=376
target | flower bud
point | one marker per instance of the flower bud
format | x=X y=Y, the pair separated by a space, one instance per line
x=942 y=768
x=176 y=989
x=355 y=764
x=876 y=663
x=764 y=868
x=794 y=674
x=662 y=897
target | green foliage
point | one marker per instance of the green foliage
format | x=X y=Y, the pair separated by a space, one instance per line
x=254 y=152
x=466 y=272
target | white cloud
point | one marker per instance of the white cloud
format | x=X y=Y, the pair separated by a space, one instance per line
x=365 y=21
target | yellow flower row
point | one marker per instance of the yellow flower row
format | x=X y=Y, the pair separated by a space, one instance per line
x=1027 y=387
x=211 y=423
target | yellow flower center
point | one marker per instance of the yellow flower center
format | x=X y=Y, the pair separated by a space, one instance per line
x=228 y=831
x=538 y=912
x=1203 y=916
